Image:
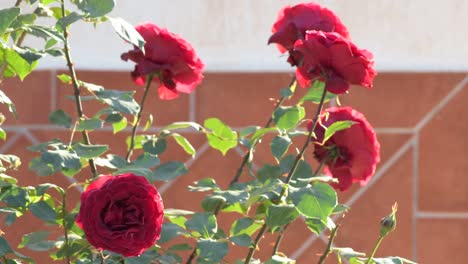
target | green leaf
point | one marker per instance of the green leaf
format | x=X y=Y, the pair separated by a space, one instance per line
x=280 y=260
x=42 y=188
x=180 y=247
x=64 y=78
x=89 y=124
x=15 y=197
x=184 y=143
x=210 y=203
x=155 y=146
x=316 y=201
x=170 y=231
x=43 y=210
x=5 y=248
x=44 y=32
x=347 y=252
x=120 y=125
x=61 y=159
x=279 y=215
x=60 y=118
x=211 y=251
x=28 y=54
x=317 y=226
x=287 y=117
x=40 y=167
x=340 y=208
x=244 y=225
x=96 y=8
x=90 y=151
x=148 y=123
x=204 y=185
x=182 y=125
x=3 y=134
x=69 y=19
x=15 y=64
x=146 y=160
x=242 y=240
x=203 y=223
x=222 y=137
x=392 y=260
x=233 y=196
x=314 y=94
x=335 y=127
x=127 y=32
x=279 y=146
x=4 y=99
x=36 y=241
x=169 y=171
x=7 y=16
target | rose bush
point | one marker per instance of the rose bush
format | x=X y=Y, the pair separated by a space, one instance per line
x=122 y=213
x=351 y=155
x=173 y=60
x=121 y=216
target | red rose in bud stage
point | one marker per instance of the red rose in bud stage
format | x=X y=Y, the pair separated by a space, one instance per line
x=123 y=214
x=335 y=60
x=171 y=58
x=350 y=155
x=293 y=22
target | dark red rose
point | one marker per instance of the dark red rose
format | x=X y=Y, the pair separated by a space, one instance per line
x=335 y=60
x=123 y=214
x=350 y=155
x=173 y=59
x=293 y=22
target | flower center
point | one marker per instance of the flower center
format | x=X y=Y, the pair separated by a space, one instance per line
x=333 y=155
x=122 y=215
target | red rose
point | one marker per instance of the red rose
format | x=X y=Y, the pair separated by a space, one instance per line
x=177 y=66
x=121 y=213
x=293 y=22
x=350 y=155
x=335 y=60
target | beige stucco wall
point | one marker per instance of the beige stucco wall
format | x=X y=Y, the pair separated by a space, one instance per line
x=231 y=35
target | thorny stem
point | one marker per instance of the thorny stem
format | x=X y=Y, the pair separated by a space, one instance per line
x=298 y=158
x=283 y=231
x=76 y=88
x=278 y=240
x=137 y=122
x=65 y=231
x=375 y=249
x=306 y=144
x=246 y=157
x=254 y=246
x=329 y=245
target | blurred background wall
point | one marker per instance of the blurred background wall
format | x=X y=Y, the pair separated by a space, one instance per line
x=417 y=105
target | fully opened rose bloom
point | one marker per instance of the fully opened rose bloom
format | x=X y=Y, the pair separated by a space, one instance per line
x=350 y=155
x=123 y=214
x=293 y=22
x=330 y=57
x=174 y=61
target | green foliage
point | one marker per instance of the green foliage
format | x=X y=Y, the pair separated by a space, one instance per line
x=222 y=137
x=279 y=146
x=184 y=143
x=316 y=201
x=7 y=16
x=204 y=224
x=335 y=127
x=95 y=8
x=169 y=171
x=37 y=241
x=288 y=117
x=314 y=94
x=60 y=118
x=279 y=215
x=211 y=251
x=127 y=32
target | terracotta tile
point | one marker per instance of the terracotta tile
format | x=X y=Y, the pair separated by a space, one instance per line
x=442 y=241
x=239 y=99
x=164 y=112
x=31 y=97
x=401 y=99
x=443 y=152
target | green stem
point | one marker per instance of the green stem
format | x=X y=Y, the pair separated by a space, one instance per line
x=278 y=240
x=18 y=2
x=254 y=246
x=4 y=259
x=306 y=144
x=137 y=122
x=329 y=245
x=65 y=230
x=76 y=88
x=375 y=249
x=101 y=256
